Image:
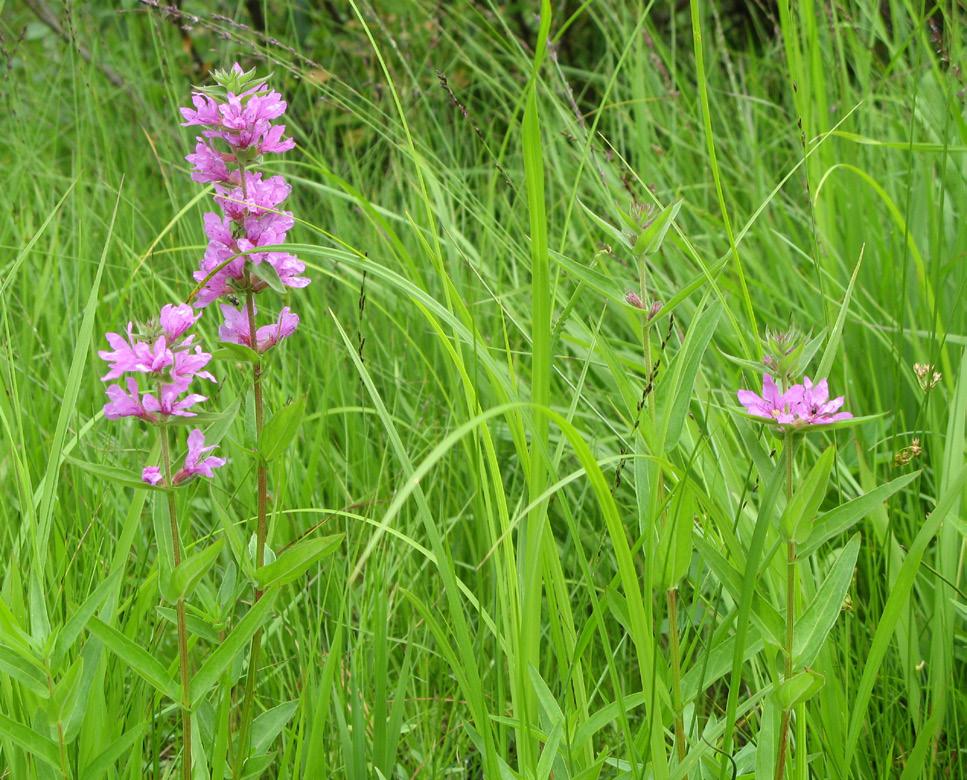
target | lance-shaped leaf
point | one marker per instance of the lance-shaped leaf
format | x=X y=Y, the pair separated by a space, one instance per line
x=106 y=759
x=295 y=561
x=223 y=655
x=675 y=390
x=188 y=573
x=649 y=240
x=36 y=744
x=843 y=517
x=281 y=429
x=78 y=620
x=136 y=657
x=798 y=688
x=817 y=621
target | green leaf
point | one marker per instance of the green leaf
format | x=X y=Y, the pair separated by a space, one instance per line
x=281 y=429
x=78 y=620
x=39 y=620
x=896 y=603
x=798 y=688
x=28 y=739
x=189 y=572
x=296 y=560
x=13 y=634
x=829 y=354
x=28 y=674
x=796 y=521
x=136 y=657
x=223 y=655
x=649 y=240
x=675 y=541
x=106 y=759
x=236 y=352
x=616 y=234
x=267 y=726
x=193 y=623
x=255 y=766
x=843 y=517
x=267 y=273
x=597 y=281
x=676 y=389
x=815 y=623
x=64 y=700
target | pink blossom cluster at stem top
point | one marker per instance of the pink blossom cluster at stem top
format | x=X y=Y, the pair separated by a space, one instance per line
x=237 y=132
x=801 y=405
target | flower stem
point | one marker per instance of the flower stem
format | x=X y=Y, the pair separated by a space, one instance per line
x=261 y=533
x=180 y=608
x=790 y=446
x=60 y=732
x=671 y=597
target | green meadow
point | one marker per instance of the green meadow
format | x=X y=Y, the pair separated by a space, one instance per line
x=516 y=522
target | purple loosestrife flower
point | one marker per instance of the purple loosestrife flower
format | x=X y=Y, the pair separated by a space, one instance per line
x=195 y=464
x=236 y=329
x=238 y=119
x=241 y=121
x=224 y=265
x=151 y=475
x=802 y=405
x=125 y=403
x=815 y=407
x=166 y=362
x=256 y=198
x=176 y=318
x=771 y=404
x=208 y=165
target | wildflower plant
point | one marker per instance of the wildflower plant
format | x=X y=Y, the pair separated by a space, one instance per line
x=237 y=116
x=794 y=408
x=156 y=365
x=158 y=372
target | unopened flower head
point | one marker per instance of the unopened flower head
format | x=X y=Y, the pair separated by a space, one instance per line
x=634 y=299
x=785 y=354
x=927 y=377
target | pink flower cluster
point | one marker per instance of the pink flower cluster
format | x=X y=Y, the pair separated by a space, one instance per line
x=195 y=464
x=167 y=361
x=801 y=405
x=238 y=130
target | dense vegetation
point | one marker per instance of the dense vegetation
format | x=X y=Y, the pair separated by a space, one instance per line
x=565 y=543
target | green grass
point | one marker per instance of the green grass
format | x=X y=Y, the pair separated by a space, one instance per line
x=519 y=486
